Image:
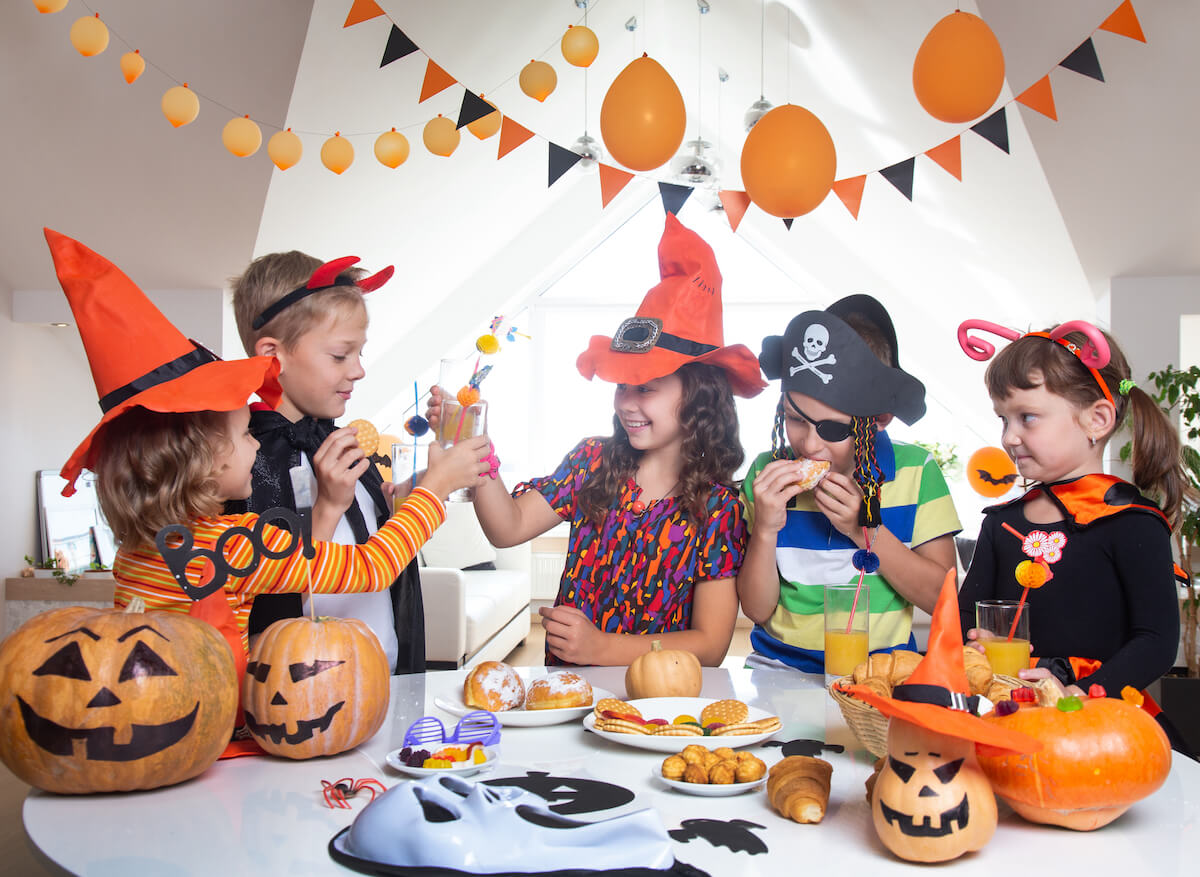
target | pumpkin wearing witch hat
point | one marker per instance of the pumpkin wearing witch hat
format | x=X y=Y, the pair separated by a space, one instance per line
x=932 y=802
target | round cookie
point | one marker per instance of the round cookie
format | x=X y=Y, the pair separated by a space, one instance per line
x=727 y=712
x=367 y=436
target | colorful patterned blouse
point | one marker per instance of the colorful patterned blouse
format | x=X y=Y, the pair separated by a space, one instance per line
x=636 y=573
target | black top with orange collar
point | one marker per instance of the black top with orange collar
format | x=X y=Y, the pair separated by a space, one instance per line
x=1112 y=595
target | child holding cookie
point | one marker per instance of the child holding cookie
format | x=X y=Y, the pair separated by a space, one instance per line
x=880 y=509
x=312 y=318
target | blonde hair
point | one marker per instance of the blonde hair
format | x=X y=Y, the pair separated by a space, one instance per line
x=1156 y=452
x=155 y=469
x=269 y=278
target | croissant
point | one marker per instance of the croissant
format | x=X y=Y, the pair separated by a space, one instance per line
x=892 y=667
x=997 y=692
x=798 y=788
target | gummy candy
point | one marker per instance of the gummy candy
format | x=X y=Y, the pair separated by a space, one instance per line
x=479 y=757
x=1006 y=708
x=1024 y=694
x=1097 y=691
x=685 y=719
x=1069 y=704
x=1129 y=694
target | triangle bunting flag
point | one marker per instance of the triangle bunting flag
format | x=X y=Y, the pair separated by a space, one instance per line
x=994 y=129
x=948 y=157
x=735 y=204
x=362 y=10
x=561 y=161
x=900 y=175
x=398 y=46
x=1124 y=22
x=787 y=222
x=674 y=196
x=850 y=191
x=1083 y=60
x=436 y=80
x=612 y=181
x=473 y=107
x=1040 y=97
x=512 y=135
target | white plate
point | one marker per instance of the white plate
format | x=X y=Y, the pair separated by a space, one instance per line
x=454 y=705
x=709 y=790
x=670 y=707
x=466 y=769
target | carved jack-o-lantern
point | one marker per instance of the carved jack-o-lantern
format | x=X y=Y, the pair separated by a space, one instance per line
x=932 y=802
x=105 y=700
x=315 y=687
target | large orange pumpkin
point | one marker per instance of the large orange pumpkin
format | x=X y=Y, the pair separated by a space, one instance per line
x=1097 y=761
x=663 y=673
x=107 y=700
x=931 y=802
x=315 y=687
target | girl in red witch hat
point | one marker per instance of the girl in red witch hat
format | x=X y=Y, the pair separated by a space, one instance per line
x=174 y=444
x=656 y=529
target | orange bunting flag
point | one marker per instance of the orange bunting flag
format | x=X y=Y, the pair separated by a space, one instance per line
x=1124 y=22
x=948 y=157
x=512 y=135
x=362 y=10
x=735 y=204
x=612 y=181
x=850 y=190
x=436 y=80
x=1040 y=97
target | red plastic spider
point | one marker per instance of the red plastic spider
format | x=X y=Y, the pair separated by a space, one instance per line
x=338 y=791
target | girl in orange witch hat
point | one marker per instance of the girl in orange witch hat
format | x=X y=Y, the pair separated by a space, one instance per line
x=173 y=445
x=657 y=535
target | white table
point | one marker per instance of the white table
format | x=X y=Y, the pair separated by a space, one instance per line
x=266 y=816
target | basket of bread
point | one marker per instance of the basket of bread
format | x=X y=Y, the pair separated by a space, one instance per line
x=882 y=672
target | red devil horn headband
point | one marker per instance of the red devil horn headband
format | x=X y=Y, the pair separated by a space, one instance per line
x=1094 y=354
x=323 y=278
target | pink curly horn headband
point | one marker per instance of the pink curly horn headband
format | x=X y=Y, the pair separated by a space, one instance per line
x=1094 y=354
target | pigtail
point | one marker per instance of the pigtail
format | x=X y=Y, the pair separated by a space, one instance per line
x=1155 y=458
x=781 y=448
x=868 y=474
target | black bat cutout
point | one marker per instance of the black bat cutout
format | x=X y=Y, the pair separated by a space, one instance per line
x=735 y=834
x=986 y=476
x=811 y=748
x=569 y=795
x=381 y=459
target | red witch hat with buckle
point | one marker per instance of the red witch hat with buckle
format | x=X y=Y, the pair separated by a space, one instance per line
x=679 y=321
x=138 y=358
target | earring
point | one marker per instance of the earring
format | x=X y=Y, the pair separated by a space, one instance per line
x=1091 y=441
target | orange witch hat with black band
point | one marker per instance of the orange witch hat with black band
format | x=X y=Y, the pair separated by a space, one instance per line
x=937 y=696
x=679 y=321
x=138 y=358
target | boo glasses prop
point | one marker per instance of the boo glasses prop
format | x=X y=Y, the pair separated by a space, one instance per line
x=829 y=430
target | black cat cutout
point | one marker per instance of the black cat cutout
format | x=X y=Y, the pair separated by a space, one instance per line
x=568 y=795
x=811 y=748
x=735 y=834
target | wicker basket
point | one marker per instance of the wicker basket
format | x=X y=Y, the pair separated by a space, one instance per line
x=869 y=725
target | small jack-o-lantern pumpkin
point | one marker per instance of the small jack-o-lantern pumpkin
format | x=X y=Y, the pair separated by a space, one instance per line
x=105 y=700
x=315 y=687
x=932 y=801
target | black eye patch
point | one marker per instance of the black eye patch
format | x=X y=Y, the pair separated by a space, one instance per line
x=901 y=769
x=948 y=771
x=67 y=661
x=307 y=671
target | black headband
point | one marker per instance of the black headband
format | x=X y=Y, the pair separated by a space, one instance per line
x=272 y=310
x=168 y=371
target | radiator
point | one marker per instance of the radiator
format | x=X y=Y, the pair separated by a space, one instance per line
x=545 y=572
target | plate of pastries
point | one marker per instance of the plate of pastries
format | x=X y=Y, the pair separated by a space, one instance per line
x=712 y=773
x=520 y=702
x=659 y=723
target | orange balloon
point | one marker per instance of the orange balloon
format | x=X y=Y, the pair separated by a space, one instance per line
x=89 y=35
x=538 y=79
x=47 y=6
x=485 y=126
x=991 y=472
x=285 y=149
x=580 y=46
x=959 y=69
x=788 y=162
x=180 y=105
x=241 y=136
x=642 y=118
x=336 y=153
x=391 y=148
x=440 y=136
x=132 y=65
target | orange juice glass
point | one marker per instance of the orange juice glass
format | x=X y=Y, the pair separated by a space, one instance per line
x=846 y=628
x=994 y=621
x=1007 y=657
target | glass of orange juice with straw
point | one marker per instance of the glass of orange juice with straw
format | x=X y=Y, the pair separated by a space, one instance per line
x=463 y=414
x=1003 y=627
x=847 y=619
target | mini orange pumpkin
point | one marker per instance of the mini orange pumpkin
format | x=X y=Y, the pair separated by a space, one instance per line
x=663 y=673
x=931 y=802
x=109 y=700
x=1097 y=762
x=315 y=687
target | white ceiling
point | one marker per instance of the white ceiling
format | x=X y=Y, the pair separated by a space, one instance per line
x=1031 y=237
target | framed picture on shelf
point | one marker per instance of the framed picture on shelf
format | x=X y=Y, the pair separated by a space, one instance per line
x=72 y=524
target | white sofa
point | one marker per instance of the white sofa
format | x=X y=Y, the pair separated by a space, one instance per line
x=472 y=615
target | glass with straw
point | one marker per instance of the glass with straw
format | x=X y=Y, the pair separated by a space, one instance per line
x=847 y=628
x=463 y=414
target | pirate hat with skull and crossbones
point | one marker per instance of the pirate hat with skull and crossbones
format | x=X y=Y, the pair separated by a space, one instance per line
x=820 y=356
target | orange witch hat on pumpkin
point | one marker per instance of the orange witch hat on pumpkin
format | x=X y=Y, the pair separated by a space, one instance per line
x=138 y=358
x=937 y=696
